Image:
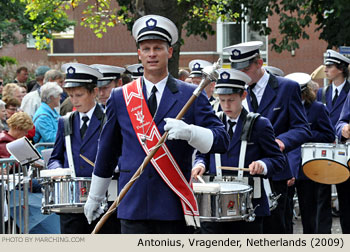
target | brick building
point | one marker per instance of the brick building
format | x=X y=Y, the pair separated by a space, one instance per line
x=118 y=47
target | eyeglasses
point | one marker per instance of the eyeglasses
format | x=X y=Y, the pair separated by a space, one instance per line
x=12 y=109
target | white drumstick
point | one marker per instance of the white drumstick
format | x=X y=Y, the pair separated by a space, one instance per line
x=200 y=179
x=234 y=168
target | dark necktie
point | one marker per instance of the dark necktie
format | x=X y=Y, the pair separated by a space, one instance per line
x=152 y=101
x=84 y=127
x=253 y=99
x=335 y=97
x=230 y=128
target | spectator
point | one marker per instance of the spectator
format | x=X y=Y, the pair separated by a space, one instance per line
x=11 y=90
x=21 y=92
x=39 y=78
x=56 y=76
x=19 y=124
x=11 y=106
x=31 y=102
x=21 y=75
x=46 y=117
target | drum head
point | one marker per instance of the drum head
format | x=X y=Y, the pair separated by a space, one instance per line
x=326 y=171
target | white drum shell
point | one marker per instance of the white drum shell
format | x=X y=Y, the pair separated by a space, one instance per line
x=318 y=151
x=65 y=195
x=231 y=203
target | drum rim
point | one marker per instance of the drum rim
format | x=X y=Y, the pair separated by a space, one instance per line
x=331 y=160
x=323 y=144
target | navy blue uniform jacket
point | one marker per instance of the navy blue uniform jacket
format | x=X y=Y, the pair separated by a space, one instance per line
x=150 y=198
x=334 y=111
x=281 y=104
x=86 y=147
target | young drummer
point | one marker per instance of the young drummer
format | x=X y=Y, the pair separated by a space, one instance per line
x=85 y=125
x=263 y=156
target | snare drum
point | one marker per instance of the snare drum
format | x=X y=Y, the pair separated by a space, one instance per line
x=325 y=163
x=65 y=195
x=224 y=201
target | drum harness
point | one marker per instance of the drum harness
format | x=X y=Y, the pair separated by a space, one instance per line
x=245 y=137
x=68 y=131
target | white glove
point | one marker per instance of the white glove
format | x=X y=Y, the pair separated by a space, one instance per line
x=198 y=137
x=98 y=189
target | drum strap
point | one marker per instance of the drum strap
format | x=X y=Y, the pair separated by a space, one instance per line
x=218 y=177
x=245 y=137
x=68 y=130
x=324 y=91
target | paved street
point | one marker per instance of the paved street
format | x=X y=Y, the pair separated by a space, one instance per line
x=298 y=228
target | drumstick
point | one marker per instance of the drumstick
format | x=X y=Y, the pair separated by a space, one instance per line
x=210 y=75
x=200 y=179
x=228 y=168
x=87 y=160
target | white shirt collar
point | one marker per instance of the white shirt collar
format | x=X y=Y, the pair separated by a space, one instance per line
x=232 y=120
x=160 y=87
x=88 y=114
x=340 y=87
x=260 y=86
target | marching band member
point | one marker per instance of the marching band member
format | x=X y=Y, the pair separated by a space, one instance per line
x=85 y=125
x=196 y=76
x=136 y=70
x=279 y=100
x=343 y=133
x=335 y=94
x=160 y=200
x=334 y=97
x=263 y=156
x=315 y=208
x=111 y=79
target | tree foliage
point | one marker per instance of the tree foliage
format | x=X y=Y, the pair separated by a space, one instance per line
x=196 y=17
x=16 y=21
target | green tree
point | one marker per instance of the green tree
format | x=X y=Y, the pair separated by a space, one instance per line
x=16 y=23
x=197 y=17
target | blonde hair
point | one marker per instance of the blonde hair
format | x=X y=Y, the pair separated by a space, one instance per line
x=20 y=121
x=10 y=89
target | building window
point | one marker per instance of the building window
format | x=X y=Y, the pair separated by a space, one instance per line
x=63 y=42
x=230 y=33
x=30 y=41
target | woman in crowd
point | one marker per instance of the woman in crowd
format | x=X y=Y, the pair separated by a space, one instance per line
x=46 y=117
x=19 y=124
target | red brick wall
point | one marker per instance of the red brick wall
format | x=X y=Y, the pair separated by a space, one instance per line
x=307 y=58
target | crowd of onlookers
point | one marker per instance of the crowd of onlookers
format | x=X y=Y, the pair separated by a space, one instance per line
x=34 y=106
